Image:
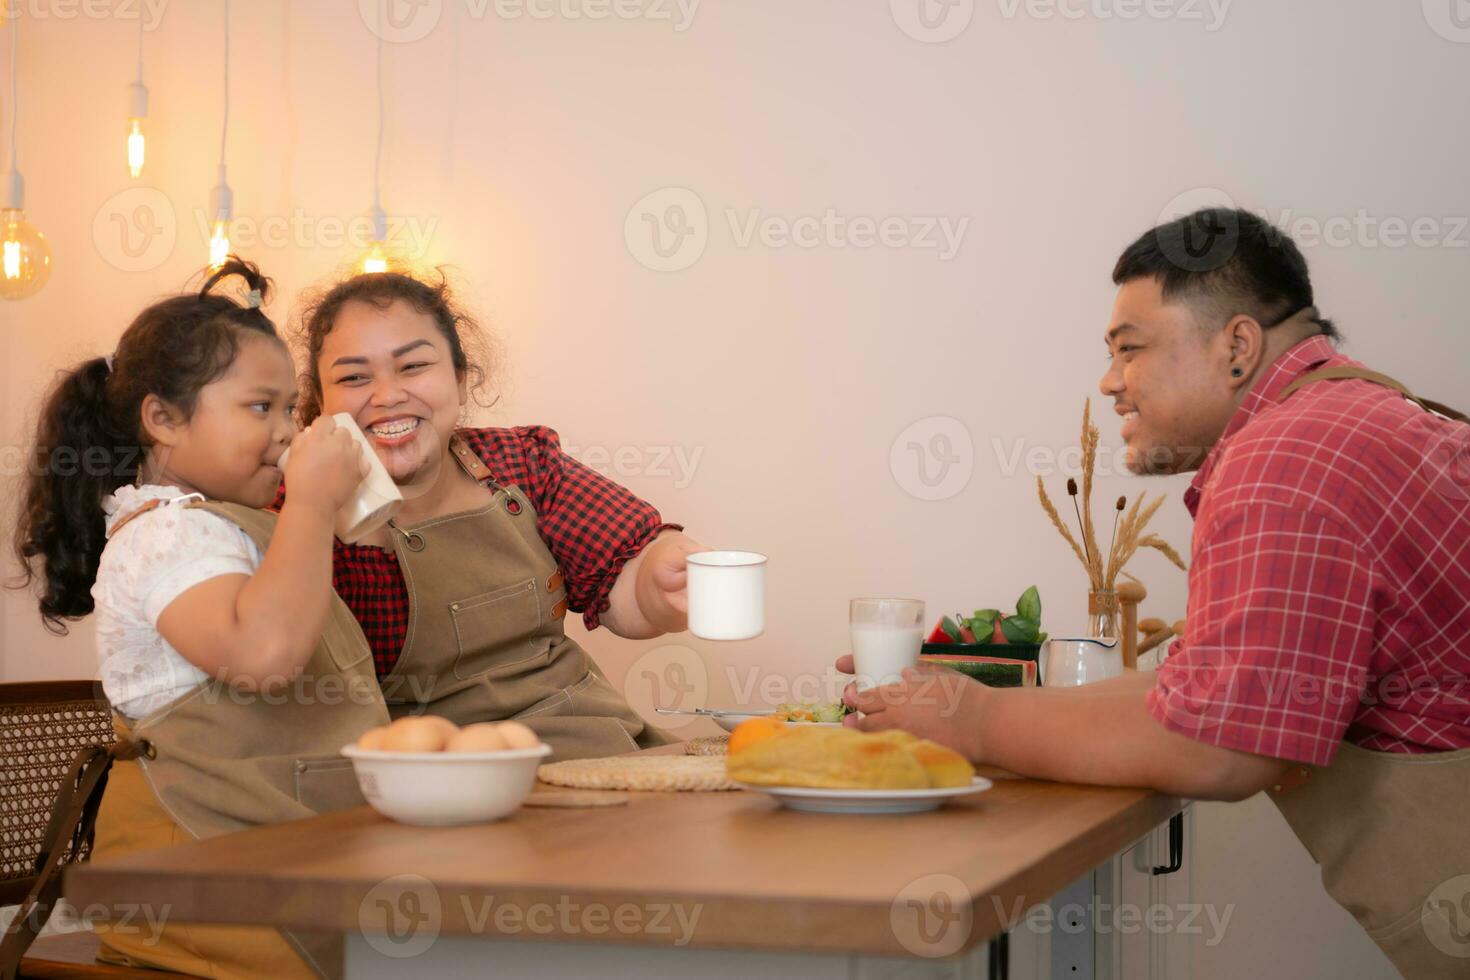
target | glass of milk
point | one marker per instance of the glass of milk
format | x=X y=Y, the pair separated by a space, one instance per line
x=887 y=635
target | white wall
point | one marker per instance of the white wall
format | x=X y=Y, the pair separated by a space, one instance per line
x=524 y=143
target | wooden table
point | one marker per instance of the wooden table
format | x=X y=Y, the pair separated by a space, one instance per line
x=727 y=871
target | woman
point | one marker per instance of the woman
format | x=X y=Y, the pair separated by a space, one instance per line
x=463 y=596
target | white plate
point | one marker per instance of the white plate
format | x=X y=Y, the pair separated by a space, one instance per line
x=729 y=722
x=815 y=800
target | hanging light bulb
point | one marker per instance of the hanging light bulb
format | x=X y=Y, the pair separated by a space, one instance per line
x=221 y=209
x=136 y=146
x=137 y=112
x=25 y=256
x=376 y=258
x=221 y=198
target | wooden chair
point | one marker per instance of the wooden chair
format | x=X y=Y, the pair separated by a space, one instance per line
x=43 y=725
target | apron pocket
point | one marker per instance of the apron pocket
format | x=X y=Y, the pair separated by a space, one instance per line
x=327 y=783
x=495 y=632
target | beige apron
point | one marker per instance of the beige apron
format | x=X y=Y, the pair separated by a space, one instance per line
x=1389 y=828
x=217 y=761
x=486 y=638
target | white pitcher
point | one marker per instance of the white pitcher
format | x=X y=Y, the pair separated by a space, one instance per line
x=1071 y=661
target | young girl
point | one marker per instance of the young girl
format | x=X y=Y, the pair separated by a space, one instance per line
x=228 y=659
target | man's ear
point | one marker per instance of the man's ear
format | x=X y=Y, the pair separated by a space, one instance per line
x=1247 y=347
x=162 y=423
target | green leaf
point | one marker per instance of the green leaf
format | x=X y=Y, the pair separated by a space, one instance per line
x=951 y=628
x=1019 y=629
x=1029 y=605
x=982 y=623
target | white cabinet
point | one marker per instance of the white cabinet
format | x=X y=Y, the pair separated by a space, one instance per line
x=1127 y=920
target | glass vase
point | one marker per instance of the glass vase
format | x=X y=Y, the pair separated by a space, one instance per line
x=1102 y=614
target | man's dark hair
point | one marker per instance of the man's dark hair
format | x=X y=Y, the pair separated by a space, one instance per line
x=1225 y=262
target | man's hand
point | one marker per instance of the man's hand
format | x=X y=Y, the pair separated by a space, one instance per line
x=932 y=702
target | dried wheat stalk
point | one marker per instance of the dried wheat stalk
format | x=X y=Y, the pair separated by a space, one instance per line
x=1130 y=530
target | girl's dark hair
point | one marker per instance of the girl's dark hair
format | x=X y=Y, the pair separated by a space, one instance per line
x=90 y=440
x=468 y=347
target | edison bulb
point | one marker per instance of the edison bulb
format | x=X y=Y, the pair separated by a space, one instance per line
x=135 y=147
x=375 y=259
x=219 y=244
x=25 y=257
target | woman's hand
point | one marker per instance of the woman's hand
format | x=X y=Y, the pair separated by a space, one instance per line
x=651 y=595
x=931 y=701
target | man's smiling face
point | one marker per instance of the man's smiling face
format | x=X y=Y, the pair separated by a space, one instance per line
x=1168 y=377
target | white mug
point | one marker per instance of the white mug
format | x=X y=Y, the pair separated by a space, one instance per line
x=376 y=499
x=1071 y=661
x=727 y=594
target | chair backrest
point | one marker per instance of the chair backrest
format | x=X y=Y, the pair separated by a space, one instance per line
x=43 y=724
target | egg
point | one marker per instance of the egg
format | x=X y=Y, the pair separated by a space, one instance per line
x=373 y=738
x=518 y=736
x=419 y=733
x=484 y=737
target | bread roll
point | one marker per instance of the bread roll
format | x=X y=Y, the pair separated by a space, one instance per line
x=775 y=754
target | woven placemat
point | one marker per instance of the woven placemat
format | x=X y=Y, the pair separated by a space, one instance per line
x=708 y=745
x=654 y=772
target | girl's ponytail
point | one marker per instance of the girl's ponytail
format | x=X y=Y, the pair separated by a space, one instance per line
x=82 y=453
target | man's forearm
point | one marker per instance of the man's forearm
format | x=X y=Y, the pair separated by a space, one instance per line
x=1104 y=734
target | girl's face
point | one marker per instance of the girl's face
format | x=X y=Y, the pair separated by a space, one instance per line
x=242 y=422
x=392 y=370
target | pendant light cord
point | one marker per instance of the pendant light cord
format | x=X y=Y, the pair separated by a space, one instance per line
x=14 y=29
x=225 y=126
x=140 y=50
x=378 y=151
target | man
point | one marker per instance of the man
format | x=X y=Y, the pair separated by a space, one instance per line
x=1328 y=636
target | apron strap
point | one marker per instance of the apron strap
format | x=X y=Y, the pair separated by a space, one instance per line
x=470 y=461
x=188 y=500
x=1348 y=371
x=69 y=831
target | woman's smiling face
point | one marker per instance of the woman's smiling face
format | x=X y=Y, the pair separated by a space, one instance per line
x=391 y=369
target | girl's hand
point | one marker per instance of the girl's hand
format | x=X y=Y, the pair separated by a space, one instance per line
x=325 y=466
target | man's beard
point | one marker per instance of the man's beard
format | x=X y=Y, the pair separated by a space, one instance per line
x=1164 y=460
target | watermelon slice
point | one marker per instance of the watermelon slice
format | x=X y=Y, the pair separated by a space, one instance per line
x=945 y=631
x=991 y=671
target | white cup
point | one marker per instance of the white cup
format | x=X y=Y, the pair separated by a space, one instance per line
x=1075 y=660
x=727 y=594
x=887 y=635
x=376 y=499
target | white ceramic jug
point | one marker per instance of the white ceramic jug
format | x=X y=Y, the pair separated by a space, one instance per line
x=1071 y=661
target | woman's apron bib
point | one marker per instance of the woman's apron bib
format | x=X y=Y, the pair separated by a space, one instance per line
x=1389 y=828
x=217 y=761
x=486 y=638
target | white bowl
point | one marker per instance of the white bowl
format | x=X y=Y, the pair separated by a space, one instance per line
x=730 y=722
x=442 y=788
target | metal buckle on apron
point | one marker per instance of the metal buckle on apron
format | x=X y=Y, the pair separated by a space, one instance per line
x=412 y=540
